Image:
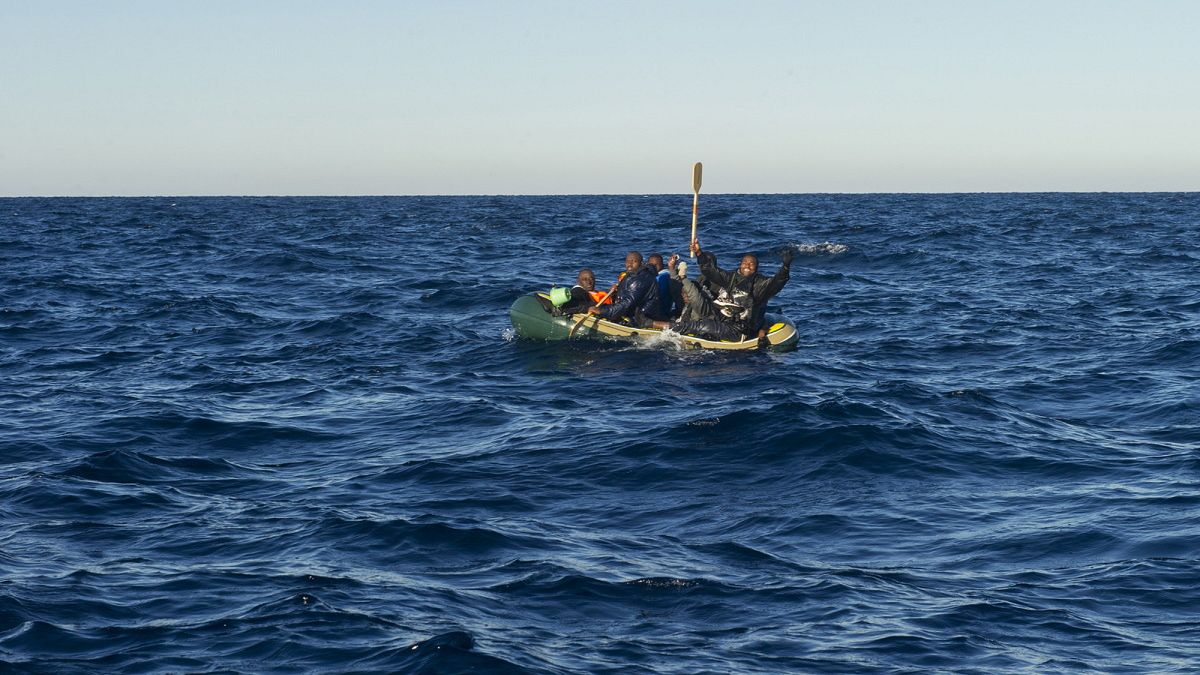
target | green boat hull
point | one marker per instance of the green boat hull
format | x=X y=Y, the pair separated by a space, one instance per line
x=531 y=320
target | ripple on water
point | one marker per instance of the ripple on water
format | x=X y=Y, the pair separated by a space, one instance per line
x=298 y=434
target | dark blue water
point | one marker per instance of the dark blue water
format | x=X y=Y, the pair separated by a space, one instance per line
x=289 y=435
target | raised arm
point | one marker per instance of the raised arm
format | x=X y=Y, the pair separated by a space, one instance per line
x=710 y=271
x=777 y=282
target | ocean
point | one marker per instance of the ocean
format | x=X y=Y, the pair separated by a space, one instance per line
x=286 y=435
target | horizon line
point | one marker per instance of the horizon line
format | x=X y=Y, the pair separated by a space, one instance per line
x=585 y=194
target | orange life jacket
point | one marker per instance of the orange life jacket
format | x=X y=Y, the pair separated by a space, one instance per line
x=598 y=297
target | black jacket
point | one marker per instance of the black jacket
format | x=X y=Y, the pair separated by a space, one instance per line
x=742 y=301
x=579 y=302
x=637 y=294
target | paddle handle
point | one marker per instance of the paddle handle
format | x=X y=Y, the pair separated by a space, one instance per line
x=697 y=175
x=695 y=211
x=583 y=318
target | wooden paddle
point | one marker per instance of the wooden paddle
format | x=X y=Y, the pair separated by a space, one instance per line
x=583 y=318
x=696 y=171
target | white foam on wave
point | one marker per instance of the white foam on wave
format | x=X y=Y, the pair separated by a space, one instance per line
x=825 y=247
x=667 y=339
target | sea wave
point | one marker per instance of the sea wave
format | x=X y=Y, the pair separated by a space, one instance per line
x=299 y=434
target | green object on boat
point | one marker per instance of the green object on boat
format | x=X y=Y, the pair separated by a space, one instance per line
x=560 y=296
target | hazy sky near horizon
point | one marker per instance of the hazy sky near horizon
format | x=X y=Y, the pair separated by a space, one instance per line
x=562 y=97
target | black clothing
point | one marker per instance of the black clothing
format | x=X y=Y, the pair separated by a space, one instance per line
x=636 y=299
x=701 y=318
x=742 y=300
x=711 y=328
x=579 y=302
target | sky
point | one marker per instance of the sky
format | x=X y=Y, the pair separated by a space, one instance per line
x=597 y=97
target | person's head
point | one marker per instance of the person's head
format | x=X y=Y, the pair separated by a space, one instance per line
x=749 y=265
x=656 y=261
x=633 y=262
x=586 y=279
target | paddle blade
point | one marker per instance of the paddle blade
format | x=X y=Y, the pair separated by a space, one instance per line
x=696 y=171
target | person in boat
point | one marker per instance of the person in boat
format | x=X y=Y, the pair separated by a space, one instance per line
x=583 y=293
x=738 y=309
x=670 y=289
x=636 y=297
